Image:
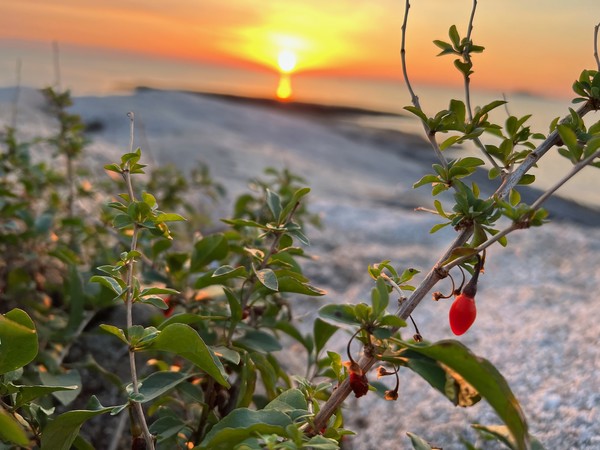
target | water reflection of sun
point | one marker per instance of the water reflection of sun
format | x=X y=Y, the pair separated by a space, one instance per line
x=286 y=61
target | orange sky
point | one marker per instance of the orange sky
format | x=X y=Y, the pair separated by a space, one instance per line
x=534 y=45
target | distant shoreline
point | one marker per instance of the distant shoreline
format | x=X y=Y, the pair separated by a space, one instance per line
x=312 y=109
x=559 y=208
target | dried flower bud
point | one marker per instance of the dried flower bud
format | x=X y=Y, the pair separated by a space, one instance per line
x=353 y=367
x=382 y=372
x=391 y=395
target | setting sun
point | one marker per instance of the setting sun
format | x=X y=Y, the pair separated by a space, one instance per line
x=286 y=61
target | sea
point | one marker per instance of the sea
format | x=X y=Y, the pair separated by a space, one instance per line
x=101 y=72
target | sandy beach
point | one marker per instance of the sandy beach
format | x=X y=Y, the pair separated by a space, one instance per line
x=538 y=305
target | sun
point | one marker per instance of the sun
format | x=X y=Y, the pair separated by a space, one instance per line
x=286 y=61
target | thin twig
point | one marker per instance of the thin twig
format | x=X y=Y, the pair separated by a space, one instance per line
x=553 y=139
x=467 y=79
x=596 y=28
x=576 y=168
x=467 y=57
x=129 y=300
x=413 y=97
x=517 y=225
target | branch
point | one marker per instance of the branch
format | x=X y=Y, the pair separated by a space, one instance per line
x=467 y=58
x=596 y=46
x=553 y=139
x=413 y=97
x=129 y=300
x=438 y=271
x=580 y=165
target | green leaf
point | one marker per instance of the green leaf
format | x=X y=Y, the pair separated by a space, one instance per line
x=71 y=380
x=469 y=162
x=241 y=424
x=439 y=208
x=224 y=270
x=243 y=223
x=291 y=284
x=227 y=354
x=287 y=401
x=169 y=217
x=438 y=227
x=267 y=278
x=526 y=179
x=289 y=329
x=60 y=433
x=27 y=393
x=166 y=427
x=380 y=297
x=449 y=142
x=122 y=221
x=296 y=197
x=259 y=341
x=11 y=431
x=115 y=285
x=155 y=301
x=115 y=331
x=76 y=300
x=211 y=248
x=18 y=340
x=490 y=106
x=322 y=332
x=340 y=313
x=463 y=67
x=393 y=321
x=220 y=275
x=485 y=378
x=502 y=434
x=157 y=291
x=159 y=383
x=113 y=168
x=274 y=204
x=454 y=36
x=417 y=112
x=418 y=442
x=235 y=306
x=514 y=198
x=568 y=137
x=446 y=47
x=184 y=341
x=427 y=179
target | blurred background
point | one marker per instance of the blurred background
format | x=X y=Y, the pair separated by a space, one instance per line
x=339 y=52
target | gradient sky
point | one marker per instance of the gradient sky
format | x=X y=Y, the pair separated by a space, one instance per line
x=533 y=45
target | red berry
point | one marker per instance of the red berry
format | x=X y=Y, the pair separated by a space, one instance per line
x=462 y=314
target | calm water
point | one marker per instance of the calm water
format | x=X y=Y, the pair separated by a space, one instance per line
x=98 y=72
